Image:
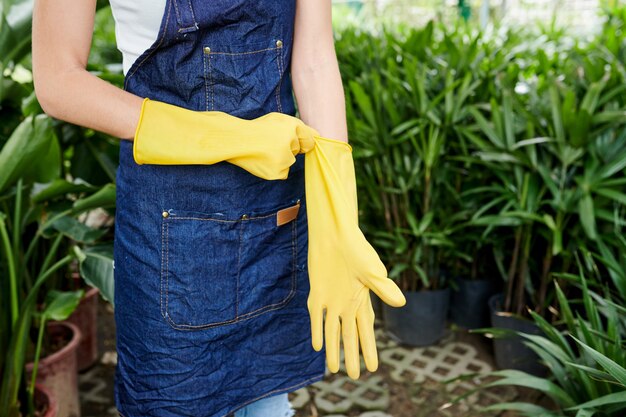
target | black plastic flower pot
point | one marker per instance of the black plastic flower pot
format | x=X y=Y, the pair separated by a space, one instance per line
x=469 y=306
x=511 y=352
x=422 y=321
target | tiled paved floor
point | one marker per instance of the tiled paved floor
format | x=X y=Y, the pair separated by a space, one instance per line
x=409 y=383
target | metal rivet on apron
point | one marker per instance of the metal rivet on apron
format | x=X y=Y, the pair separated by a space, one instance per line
x=244 y=217
x=279 y=43
x=165 y=214
x=207 y=50
x=298 y=202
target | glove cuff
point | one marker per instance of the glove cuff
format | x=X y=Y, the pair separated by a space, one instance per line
x=135 y=147
x=335 y=142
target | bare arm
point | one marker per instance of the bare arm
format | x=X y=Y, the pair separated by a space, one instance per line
x=62 y=33
x=315 y=72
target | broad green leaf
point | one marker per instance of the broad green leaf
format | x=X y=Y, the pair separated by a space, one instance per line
x=103 y=198
x=76 y=230
x=96 y=268
x=27 y=147
x=61 y=304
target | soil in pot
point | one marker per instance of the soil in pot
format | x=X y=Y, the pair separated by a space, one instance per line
x=422 y=321
x=45 y=403
x=511 y=352
x=469 y=302
x=57 y=370
x=86 y=318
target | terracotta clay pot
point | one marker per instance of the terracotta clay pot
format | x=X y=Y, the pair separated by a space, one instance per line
x=58 y=372
x=85 y=317
x=45 y=403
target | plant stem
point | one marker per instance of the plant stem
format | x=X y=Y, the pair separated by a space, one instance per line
x=52 y=251
x=518 y=306
x=512 y=270
x=39 y=232
x=31 y=388
x=17 y=221
x=545 y=279
x=13 y=284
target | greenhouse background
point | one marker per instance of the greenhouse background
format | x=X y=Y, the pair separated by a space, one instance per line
x=575 y=14
x=489 y=144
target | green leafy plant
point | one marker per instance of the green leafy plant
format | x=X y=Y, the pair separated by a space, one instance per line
x=584 y=351
x=42 y=203
x=40 y=236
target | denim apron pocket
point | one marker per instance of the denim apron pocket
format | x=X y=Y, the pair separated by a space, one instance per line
x=220 y=268
x=237 y=76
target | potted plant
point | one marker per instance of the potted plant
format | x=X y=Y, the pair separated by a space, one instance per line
x=36 y=248
x=564 y=162
x=586 y=358
x=54 y=363
x=402 y=128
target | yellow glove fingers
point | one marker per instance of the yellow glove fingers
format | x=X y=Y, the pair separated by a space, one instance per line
x=365 y=325
x=316 y=314
x=351 y=346
x=332 y=332
x=387 y=290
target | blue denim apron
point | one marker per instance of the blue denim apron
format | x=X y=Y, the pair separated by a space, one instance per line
x=210 y=292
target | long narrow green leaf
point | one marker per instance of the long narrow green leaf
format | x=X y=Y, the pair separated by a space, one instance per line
x=617 y=371
x=614 y=398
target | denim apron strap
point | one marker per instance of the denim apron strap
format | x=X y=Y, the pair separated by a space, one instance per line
x=185 y=16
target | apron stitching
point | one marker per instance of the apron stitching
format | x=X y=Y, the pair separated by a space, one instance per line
x=278 y=50
x=222 y=220
x=244 y=53
x=206 y=81
x=211 y=84
x=167 y=269
x=162 y=265
x=294 y=280
x=243 y=317
x=238 y=272
x=193 y=16
x=282 y=73
x=177 y=12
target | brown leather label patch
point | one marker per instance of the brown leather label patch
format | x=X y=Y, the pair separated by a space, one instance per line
x=287 y=214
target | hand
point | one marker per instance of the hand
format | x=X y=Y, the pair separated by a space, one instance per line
x=271 y=155
x=265 y=146
x=343 y=266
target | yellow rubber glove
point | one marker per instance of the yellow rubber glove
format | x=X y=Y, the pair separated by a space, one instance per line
x=343 y=266
x=265 y=146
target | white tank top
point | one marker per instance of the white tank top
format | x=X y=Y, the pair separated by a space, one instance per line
x=137 y=25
